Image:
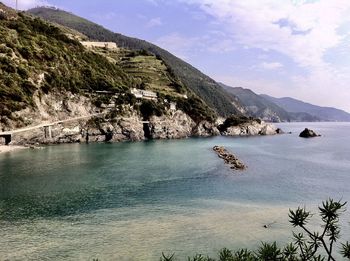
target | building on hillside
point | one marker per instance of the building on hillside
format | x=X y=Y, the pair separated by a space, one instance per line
x=173 y=106
x=143 y=94
x=106 y=45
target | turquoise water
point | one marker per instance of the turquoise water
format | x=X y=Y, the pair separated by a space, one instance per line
x=131 y=201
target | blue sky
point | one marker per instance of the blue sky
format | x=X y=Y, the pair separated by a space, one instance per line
x=298 y=48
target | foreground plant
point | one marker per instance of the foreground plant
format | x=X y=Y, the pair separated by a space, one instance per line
x=306 y=245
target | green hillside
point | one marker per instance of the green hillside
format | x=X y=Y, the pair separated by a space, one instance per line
x=37 y=57
x=206 y=88
x=148 y=71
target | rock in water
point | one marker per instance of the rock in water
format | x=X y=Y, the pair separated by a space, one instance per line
x=229 y=158
x=307 y=133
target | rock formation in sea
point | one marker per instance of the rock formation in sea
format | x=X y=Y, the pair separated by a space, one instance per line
x=243 y=126
x=229 y=158
x=307 y=133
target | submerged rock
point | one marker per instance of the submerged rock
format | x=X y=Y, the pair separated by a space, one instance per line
x=307 y=133
x=229 y=158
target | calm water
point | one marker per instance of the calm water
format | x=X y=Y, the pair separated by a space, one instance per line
x=131 y=201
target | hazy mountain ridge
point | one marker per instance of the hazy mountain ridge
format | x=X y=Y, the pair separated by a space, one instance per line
x=257 y=106
x=205 y=87
x=284 y=109
x=297 y=107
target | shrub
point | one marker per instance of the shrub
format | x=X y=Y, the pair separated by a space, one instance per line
x=149 y=108
x=196 y=109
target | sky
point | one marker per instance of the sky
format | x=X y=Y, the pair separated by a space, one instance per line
x=296 y=48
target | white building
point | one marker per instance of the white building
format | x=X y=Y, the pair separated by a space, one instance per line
x=173 y=106
x=143 y=94
x=106 y=45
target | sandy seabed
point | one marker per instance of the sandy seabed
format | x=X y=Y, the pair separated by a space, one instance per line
x=10 y=148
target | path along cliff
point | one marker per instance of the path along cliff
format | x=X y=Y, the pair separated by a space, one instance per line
x=73 y=118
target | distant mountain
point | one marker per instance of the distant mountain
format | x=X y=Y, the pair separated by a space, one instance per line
x=299 y=108
x=257 y=106
x=203 y=86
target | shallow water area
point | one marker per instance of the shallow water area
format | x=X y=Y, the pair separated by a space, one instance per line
x=133 y=201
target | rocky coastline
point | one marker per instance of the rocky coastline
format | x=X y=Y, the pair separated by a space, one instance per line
x=177 y=125
x=117 y=125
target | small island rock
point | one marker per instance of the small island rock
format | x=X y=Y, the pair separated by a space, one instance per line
x=307 y=133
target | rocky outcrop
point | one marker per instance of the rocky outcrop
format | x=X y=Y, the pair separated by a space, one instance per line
x=307 y=133
x=251 y=128
x=172 y=126
x=229 y=158
x=205 y=129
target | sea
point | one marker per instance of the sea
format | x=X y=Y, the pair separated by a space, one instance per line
x=136 y=200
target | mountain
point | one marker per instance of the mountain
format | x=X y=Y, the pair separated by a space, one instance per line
x=203 y=86
x=257 y=106
x=261 y=107
x=46 y=75
x=298 y=107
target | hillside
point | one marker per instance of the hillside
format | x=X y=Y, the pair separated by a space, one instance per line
x=296 y=107
x=258 y=106
x=206 y=88
x=36 y=57
x=44 y=70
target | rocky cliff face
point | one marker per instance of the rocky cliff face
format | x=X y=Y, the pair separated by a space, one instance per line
x=71 y=118
x=251 y=128
x=72 y=123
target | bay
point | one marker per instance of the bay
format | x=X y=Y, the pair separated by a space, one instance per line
x=133 y=201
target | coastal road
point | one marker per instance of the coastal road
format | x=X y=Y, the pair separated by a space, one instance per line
x=50 y=124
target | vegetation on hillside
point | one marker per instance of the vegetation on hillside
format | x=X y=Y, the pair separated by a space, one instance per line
x=234 y=120
x=203 y=86
x=306 y=245
x=39 y=57
x=36 y=56
x=148 y=71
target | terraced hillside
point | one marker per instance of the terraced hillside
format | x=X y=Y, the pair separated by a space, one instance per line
x=148 y=71
x=203 y=86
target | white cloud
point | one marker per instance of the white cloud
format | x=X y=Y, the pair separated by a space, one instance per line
x=154 y=22
x=301 y=30
x=178 y=44
x=271 y=66
x=154 y=2
x=254 y=23
x=221 y=46
x=188 y=46
x=25 y=4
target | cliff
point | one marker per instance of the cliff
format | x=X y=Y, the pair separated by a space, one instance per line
x=109 y=125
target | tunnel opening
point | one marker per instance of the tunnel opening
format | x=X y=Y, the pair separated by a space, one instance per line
x=147 y=131
x=7 y=139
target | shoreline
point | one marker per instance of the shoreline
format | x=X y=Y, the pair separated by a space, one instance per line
x=10 y=148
